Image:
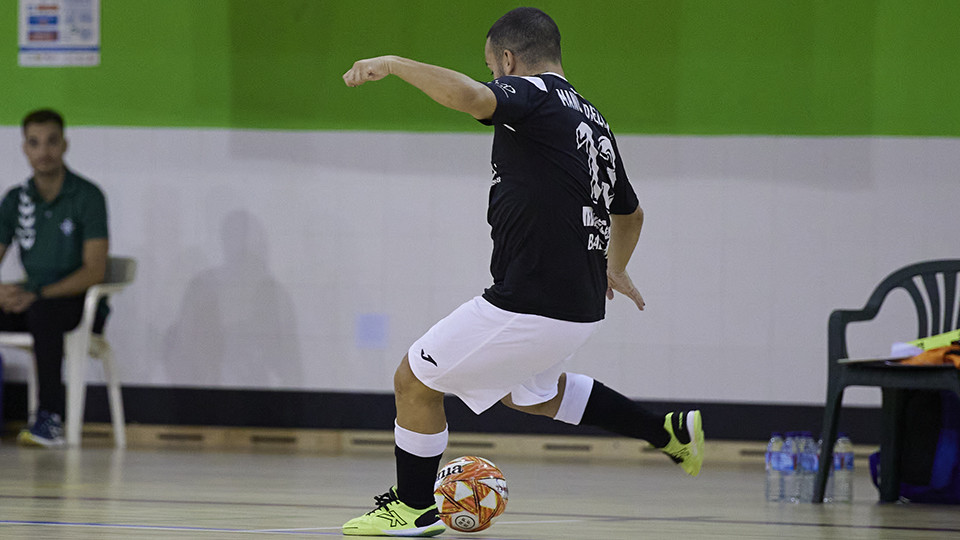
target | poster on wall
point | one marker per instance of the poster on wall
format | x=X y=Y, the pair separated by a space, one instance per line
x=59 y=33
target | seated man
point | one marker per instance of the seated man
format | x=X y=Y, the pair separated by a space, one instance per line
x=59 y=221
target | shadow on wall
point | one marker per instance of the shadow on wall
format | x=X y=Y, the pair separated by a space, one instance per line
x=236 y=326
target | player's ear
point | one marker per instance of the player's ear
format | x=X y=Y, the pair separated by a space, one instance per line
x=509 y=62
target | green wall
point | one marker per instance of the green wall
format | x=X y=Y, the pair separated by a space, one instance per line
x=791 y=67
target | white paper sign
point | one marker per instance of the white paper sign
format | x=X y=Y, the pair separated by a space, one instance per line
x=59 y=32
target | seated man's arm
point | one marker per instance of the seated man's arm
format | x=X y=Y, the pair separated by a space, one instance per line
x=8 y=291
x=91 y=272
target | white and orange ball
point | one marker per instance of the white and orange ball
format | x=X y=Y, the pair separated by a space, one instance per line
x=471 y=493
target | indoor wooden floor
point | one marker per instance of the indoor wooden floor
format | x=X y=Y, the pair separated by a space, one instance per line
x=103 y=493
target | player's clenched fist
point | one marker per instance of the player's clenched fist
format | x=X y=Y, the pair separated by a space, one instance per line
x=371 y=69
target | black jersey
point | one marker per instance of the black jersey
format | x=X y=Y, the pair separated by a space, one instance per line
x=557 y=177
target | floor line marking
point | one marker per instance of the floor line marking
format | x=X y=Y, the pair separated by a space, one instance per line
x=160 y=527
x=700 y=519
x=539 y=522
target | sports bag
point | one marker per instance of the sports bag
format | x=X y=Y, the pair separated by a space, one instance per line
x=930 y=458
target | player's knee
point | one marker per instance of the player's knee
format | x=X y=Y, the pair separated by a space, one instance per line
x=406 y=385
x=403 y=377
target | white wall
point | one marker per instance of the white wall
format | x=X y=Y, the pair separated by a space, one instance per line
x=311 y=260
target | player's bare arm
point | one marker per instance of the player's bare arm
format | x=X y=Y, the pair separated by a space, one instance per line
x=447 y=87
x=624 y=234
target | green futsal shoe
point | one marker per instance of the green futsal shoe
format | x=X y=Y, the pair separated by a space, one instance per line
x=393 y=518
x=686 y=440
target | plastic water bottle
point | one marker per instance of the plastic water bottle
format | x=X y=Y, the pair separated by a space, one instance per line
x=790 y=457
x=808 y=465
x=774 y=486
x=843 y=470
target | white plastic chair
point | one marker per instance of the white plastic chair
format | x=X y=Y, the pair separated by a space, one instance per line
x=79 y=344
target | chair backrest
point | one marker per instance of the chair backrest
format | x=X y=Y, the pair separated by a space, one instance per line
x=120 y=270
x=933 y=287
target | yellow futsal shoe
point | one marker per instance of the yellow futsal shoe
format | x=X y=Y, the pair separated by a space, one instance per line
x=686 y=440
x=394 y=518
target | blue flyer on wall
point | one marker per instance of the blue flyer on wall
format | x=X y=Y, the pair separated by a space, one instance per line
x=59 y=33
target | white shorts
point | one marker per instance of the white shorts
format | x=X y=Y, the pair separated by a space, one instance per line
x=481 y=353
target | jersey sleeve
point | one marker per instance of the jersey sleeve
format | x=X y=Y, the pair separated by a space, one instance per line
x=625 y=199
x=517 y=97
x=8 y=217
x=94 y=215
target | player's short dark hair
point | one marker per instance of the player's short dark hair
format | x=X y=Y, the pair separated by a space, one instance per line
x=528 y=33
x=42 y=116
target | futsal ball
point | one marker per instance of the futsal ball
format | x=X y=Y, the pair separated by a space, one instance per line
x=471 y=493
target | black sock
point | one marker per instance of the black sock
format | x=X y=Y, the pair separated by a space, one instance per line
x=415 y=478
x=615 y=412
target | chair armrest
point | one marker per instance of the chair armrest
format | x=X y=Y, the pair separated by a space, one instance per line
x=92 y=299
x=106 y=289
x=837 y=329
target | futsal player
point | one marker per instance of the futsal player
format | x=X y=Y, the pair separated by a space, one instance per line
x=565 y=221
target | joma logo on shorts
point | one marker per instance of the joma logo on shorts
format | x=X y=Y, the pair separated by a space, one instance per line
x=427 y=357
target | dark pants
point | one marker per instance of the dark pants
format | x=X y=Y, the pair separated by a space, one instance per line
x=47 y=320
